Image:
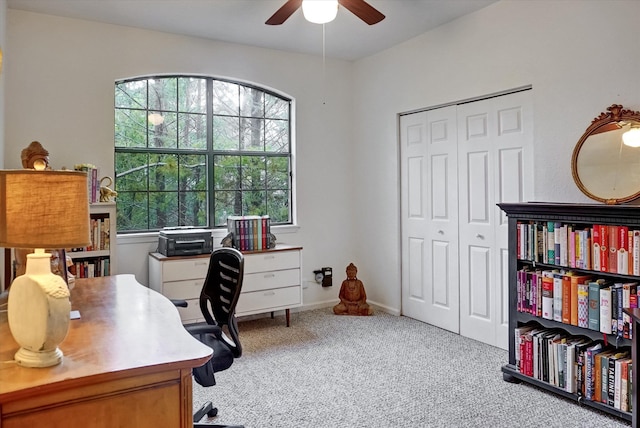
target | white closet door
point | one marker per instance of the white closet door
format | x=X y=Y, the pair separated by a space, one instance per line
x=429 y=217
x=495 y=142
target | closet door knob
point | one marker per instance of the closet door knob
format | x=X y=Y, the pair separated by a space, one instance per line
x=479 y=236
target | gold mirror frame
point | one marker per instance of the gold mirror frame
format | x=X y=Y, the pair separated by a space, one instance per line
x=603 y=167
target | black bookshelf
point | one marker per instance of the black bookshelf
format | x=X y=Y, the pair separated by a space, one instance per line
x=566 y=213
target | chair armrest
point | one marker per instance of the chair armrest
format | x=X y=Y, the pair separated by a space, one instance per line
x=180 y=303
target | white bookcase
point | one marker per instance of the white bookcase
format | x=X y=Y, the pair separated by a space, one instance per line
x=99 y=259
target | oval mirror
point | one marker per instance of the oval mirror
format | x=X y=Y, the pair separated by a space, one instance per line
x=606 y=161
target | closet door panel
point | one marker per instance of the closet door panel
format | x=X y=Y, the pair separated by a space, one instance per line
x=431 y=137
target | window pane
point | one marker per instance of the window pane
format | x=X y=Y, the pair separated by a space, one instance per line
x=276 y=108
x=277 y=136
x=193 y=172
x=192 y=131
x=227 y=173
x=193 y=208
x=252 y=138
x=226 y=133
x=131 y=94
x=192 y=95
x=163 y=172
x=254 y=203
x=132 y=211
x=130 y=128
x=278 y=173
x=163 y=93
x=253 y=172
x=227 y=203
x=131 y=173
x=163 y=209
x=277 y=206
x=226 y=98
x=164 y=134
x=252 y=102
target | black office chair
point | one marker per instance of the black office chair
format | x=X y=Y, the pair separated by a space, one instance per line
x=218 y=300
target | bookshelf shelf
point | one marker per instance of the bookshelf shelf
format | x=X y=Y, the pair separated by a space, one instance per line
x=99 y=259
x=532 y=258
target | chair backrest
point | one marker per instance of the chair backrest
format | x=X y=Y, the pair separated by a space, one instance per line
x=221 y=292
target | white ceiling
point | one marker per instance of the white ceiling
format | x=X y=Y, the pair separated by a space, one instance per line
x=242 y=21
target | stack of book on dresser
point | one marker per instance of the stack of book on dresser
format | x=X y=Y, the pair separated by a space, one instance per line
x=250 y=232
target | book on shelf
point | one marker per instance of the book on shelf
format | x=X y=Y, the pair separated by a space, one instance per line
x=576 y=280
x=594 y=303
x=93 y=184
x=605 y=310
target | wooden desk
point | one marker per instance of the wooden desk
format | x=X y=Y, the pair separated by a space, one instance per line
x=127 y=363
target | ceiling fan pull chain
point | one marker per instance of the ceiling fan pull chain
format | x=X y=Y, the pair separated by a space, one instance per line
x=324 y=69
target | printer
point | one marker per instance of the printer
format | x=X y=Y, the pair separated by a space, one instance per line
x=185 y=241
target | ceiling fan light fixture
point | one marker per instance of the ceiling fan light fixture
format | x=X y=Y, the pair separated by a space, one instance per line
x=320 y=11
x=631 y=138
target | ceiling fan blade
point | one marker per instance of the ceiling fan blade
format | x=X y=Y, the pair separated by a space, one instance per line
x=363 y=10
x=284 y=12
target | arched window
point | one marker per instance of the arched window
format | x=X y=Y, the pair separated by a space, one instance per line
x=193 y=150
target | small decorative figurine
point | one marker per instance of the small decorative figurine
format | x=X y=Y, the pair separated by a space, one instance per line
x=106 y=193
x=353 y=298
x=34 y=156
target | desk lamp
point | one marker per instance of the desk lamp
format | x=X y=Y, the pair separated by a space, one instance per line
x=41 y=209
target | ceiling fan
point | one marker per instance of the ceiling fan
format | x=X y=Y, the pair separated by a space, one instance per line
x=359 y=8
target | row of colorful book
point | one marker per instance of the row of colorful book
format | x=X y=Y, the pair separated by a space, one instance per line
x=590 y=369
x=250 y=232
x=91 y=268
x=577 y=299
x=100 y=234
x=599 y=247
x=93 y=183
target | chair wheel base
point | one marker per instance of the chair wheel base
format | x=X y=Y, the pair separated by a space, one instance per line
x=206 y=409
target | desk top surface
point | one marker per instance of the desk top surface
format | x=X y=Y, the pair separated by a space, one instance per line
x=125 y=330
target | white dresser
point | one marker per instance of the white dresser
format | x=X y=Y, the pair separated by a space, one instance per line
x=272 y=281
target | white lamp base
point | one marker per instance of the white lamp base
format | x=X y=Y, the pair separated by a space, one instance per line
x=38 y=313
x=26 y=358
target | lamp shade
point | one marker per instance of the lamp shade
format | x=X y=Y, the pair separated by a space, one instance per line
x=43 y=209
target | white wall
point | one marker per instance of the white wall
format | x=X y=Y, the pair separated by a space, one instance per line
x=60 y=92
x=580 y=57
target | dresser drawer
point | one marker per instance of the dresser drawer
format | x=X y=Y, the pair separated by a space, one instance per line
x=178 y=270
x=264 y=301
x=183 y=289
x=268 y=280
x=271 y=260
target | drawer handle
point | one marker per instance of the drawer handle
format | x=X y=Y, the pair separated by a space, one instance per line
x=269 y=275
x=270 y=293
x=269 y=257
x=201 y=263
